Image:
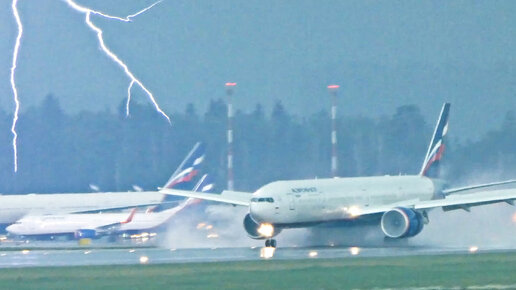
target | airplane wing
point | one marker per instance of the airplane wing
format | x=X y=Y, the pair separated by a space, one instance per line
x=465 y=201
x=231 y=197
x=452 y=202
x=467 y=188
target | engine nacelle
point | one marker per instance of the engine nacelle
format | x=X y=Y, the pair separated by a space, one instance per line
x=85 y=234
x=259 y=231
x=402 y=223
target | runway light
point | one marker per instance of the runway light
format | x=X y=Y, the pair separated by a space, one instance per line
x=514 y=218
x=144 y=260
x=354 y=251
x=333 y=87
x=212 y=236
x=87 y=252
x=313 y=254
x=267 y=252
x=132 y=251
x=266 y=230
x=473 y=249
x=25 y=252
x=231 y=84
x=3 y=254
x=200 y=226
x=209 y=227
x=172 y=250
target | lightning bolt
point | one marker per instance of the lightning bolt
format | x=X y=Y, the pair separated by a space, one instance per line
x=88 y=12
x=13 y=83
x=128 y=99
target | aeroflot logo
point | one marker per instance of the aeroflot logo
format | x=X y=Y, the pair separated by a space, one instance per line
x=304 y=189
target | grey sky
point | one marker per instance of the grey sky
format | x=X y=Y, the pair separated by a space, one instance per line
x=383 y=54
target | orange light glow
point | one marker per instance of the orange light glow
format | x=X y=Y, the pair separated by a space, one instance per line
x=266 y=230
x=267 y=252
x=354 y=251
x=144 y=260
x=473 y=249
x=354 y=211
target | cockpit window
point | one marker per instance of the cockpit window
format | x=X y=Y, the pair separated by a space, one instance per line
x=262 y=199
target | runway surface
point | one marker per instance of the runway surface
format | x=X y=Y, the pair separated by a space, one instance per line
x=20 y=257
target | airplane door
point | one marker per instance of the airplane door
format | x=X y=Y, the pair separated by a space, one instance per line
x=291 y=202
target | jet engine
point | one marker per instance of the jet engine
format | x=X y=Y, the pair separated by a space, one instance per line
x=85 y=234
x=401 y=223
x=259 y=231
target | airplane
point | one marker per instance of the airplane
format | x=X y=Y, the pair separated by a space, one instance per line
x=399 y=204
x=96 y=225
x=14 y=207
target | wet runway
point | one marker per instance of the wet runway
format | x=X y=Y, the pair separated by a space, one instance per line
x=19 y=257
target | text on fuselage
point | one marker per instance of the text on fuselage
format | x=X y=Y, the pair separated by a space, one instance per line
x=304 y=189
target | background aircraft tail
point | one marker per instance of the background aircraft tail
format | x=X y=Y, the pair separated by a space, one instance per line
x=188 y=170
x=437 y=146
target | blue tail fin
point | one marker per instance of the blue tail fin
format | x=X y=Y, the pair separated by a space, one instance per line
x=188 y=170
x=437 y=146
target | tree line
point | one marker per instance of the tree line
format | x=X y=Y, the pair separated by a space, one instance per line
x=60 y=152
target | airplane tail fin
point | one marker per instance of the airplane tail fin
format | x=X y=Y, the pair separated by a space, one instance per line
x=130 y=217
x=188 y=169
x=437 y=146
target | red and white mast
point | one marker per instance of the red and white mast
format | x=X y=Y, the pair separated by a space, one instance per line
x=334 y=164
x=229 y=93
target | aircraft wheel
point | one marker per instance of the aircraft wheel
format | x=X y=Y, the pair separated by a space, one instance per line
x=267 y=243
x=273 y=243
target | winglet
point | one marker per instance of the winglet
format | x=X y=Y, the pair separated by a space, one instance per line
x=437 y=146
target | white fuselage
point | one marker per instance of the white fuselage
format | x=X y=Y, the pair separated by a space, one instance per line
x=287 y=203
x=63 y=224
x=71 y=223
x=14 y=207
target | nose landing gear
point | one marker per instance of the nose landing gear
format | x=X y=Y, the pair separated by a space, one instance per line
x=270 y=243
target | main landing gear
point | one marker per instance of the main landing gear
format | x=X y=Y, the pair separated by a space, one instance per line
x=270 y=243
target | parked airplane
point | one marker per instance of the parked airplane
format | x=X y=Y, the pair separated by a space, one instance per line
x=14 y=207
x=95 y=225
x=400 y=204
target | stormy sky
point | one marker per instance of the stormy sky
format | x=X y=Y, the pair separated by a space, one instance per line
x=383 y=54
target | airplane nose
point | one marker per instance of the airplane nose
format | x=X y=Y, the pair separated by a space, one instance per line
x=259 y=212
x=11 y=229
